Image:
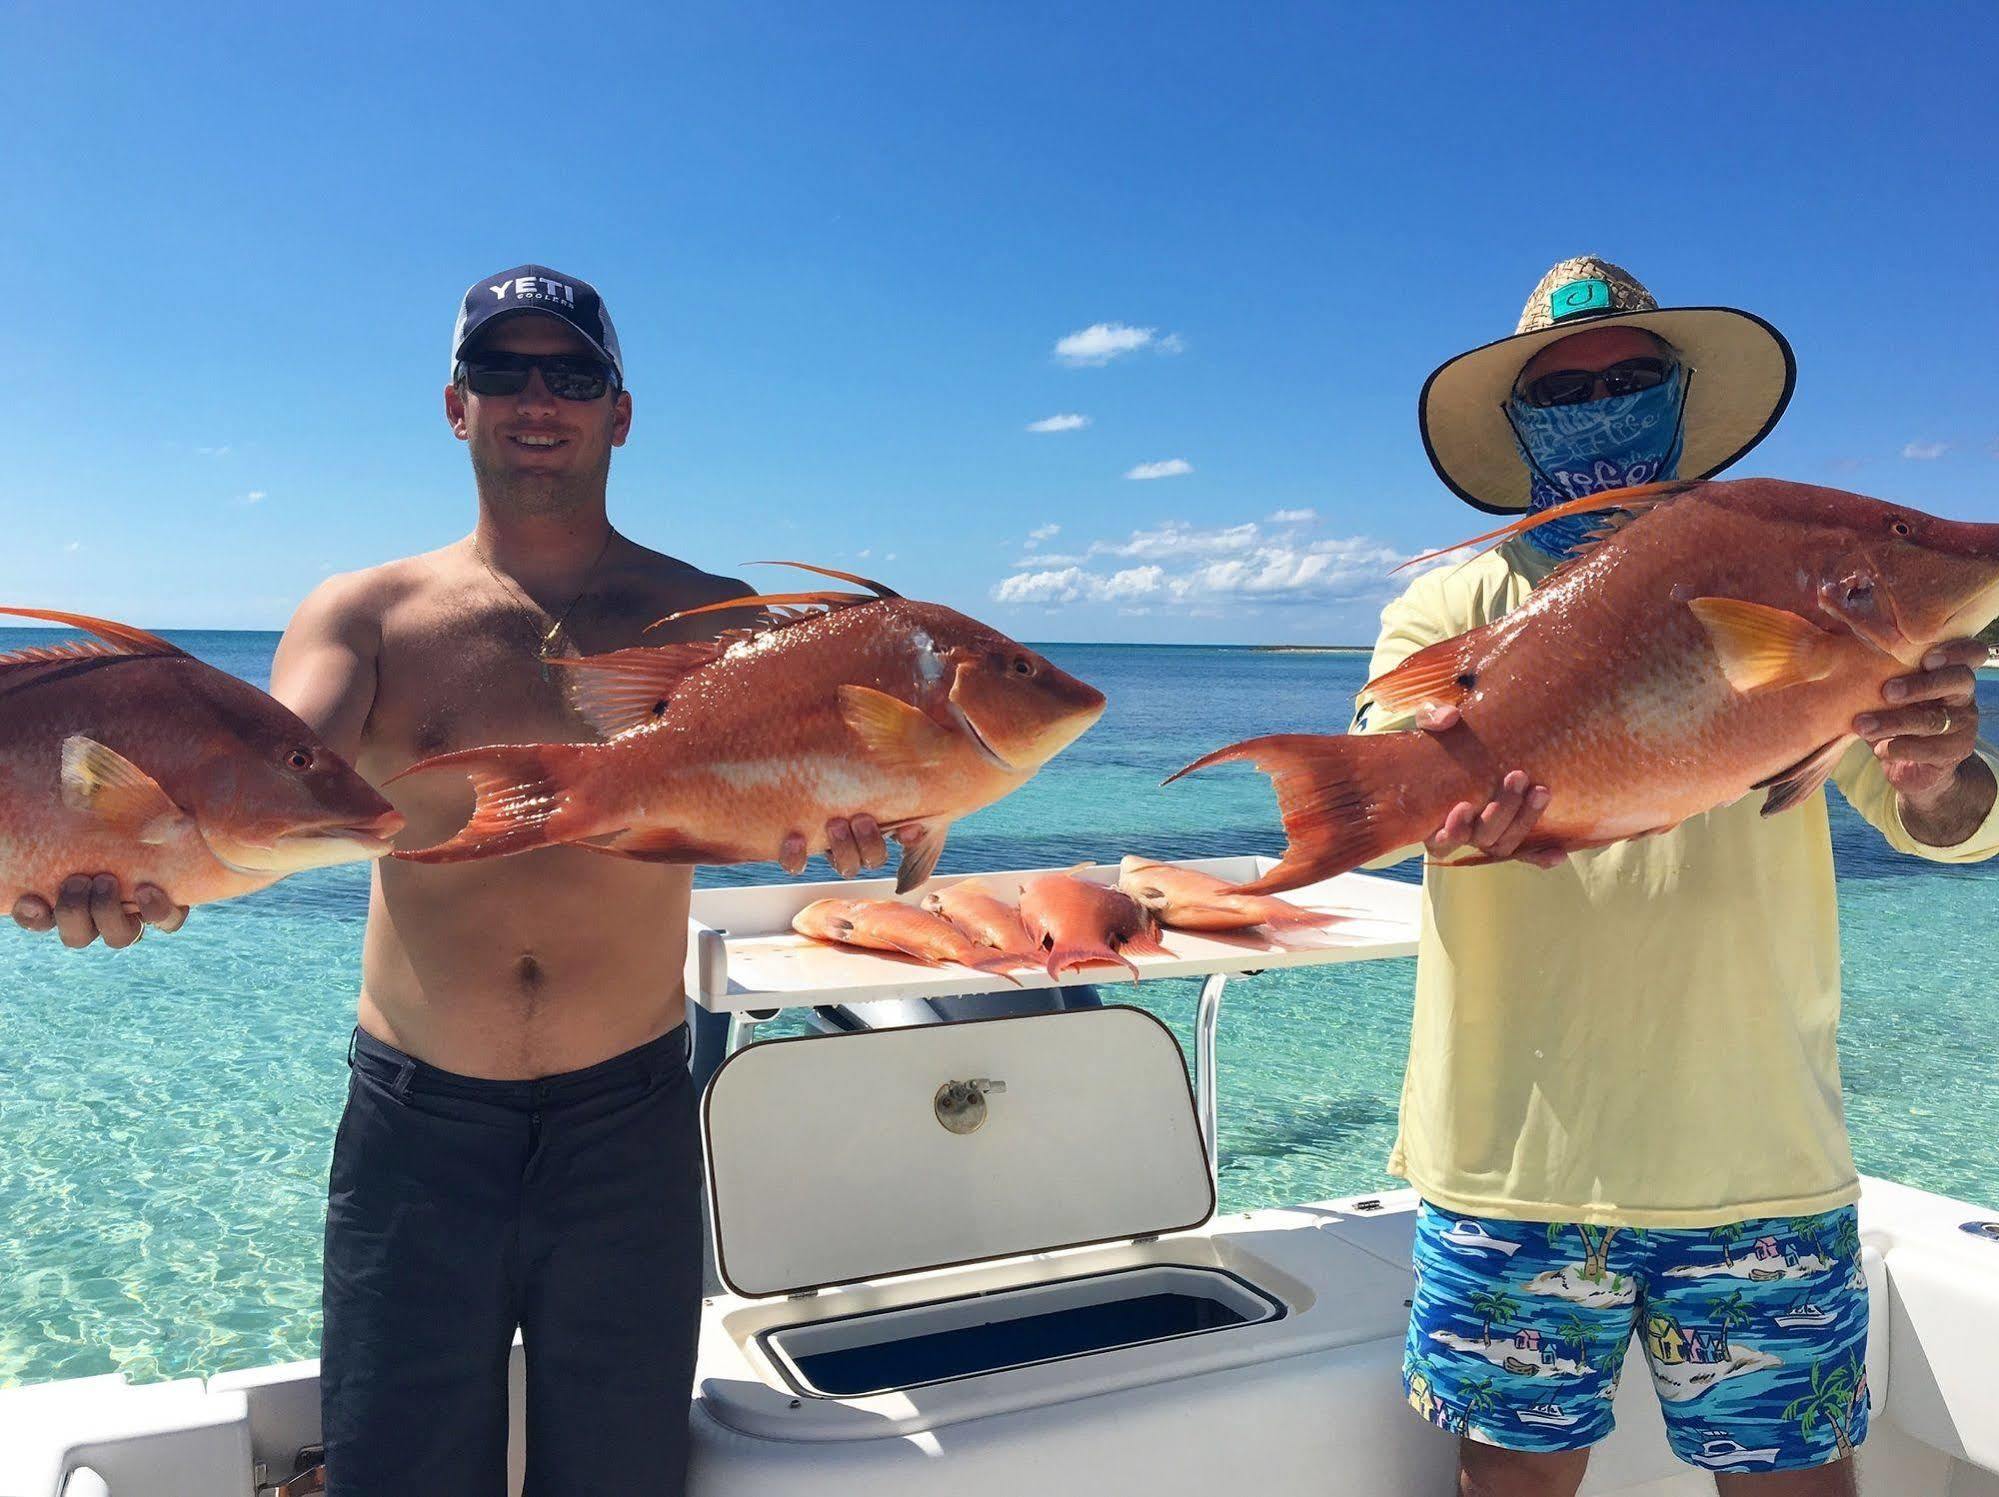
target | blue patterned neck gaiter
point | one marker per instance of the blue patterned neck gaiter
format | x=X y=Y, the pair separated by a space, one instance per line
x=1574 y=450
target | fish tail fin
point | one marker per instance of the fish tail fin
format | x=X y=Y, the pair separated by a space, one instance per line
x=1340 y=797
x=522 y=800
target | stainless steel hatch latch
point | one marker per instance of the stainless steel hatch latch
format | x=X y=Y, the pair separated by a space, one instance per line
x=961 y=1105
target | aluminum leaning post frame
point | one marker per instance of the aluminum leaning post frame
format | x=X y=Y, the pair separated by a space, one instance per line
x=1204 y=1067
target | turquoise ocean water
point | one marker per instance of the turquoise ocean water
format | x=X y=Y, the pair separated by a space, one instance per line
x=166 y=1114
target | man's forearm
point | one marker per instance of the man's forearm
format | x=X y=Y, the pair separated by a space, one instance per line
x=1957 y=812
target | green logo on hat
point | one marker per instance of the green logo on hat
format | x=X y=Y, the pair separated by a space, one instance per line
x=1578 y=298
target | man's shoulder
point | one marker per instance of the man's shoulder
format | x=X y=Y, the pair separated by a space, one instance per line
x=684 y=579
x=355 y=605
x=373 y=590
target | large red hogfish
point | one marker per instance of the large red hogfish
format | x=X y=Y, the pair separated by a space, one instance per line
x=909 y=712
x=1722 y=640
x=126 y=755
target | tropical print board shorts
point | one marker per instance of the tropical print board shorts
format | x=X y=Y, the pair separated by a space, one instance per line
x=1756 y=1334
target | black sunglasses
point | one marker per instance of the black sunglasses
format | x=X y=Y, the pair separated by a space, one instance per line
x=1574 y=386
x=568 y=376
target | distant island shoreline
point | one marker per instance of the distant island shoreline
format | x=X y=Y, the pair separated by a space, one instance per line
x=1313 y=649
x=1992 y=663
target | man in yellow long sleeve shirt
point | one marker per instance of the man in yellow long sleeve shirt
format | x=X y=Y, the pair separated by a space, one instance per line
x=1622 y=1104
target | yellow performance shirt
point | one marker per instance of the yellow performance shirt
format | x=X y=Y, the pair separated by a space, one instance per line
x=1643 y=1035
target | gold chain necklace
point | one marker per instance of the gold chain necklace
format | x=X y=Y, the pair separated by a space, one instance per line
x=552 y=637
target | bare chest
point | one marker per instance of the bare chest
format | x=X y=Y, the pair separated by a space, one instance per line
x=474 y=671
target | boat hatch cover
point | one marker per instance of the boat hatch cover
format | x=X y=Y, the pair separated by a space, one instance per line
x=834 y=1159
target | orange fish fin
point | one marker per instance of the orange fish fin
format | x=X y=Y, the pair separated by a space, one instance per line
x=658 y=845
x=519 y=791
x=1338 y=797
x=895 y=734
x=1145 y=943
x=120 y=639
x=1441 y=673
x=1634 y=500
x=1001 y=966
x=104 y=783
x=914 y=953
x=805 y=566
x=1062 y=958
x=1763 y=648
x=628 y=689
x=1801 y=780
x=922 y=844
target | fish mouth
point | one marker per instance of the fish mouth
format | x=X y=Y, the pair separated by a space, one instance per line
x=1976 y=614
x=294 y=852
x=993 y=755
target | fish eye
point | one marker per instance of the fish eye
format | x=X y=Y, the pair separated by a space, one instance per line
x=1022 y=666
x=1900 y=526
x=299 y=759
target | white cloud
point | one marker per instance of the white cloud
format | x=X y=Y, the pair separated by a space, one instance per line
x=1067 y=421
x=1135 y=582
x=1172 y=467
x=1924 y=452
x=255 y=496
x=74 y=546
x=1177 y=538
x=1064 y=586
x=1101 y=342
x=1043 y=532
x=1047 y=559
x=865 y=552
x=1294 y=517
x=222 y=451
x=889 y=557
x=1202 y=570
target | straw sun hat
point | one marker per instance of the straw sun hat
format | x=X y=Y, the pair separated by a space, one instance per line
x=1742 y=373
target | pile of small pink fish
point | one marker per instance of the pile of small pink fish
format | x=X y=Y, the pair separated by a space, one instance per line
x=1059 y=922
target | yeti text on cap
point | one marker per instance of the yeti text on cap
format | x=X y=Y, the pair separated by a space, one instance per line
x=528 y=288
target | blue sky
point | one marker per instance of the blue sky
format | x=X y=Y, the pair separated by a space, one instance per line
x=842 y=244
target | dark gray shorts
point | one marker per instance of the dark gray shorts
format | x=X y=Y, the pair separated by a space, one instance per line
x=460 y=1210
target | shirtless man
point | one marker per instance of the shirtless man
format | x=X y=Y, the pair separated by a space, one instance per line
x=519 y=1148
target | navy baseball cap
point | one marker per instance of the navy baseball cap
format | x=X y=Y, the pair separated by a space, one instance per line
x=536 y=288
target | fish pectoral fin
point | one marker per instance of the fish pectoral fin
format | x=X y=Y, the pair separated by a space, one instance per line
x=1763 y=648
x=1441 y=673
x=922 y=844
x=1789 y=786
x=104 y=783
x=627 y=689
x=896 y=734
